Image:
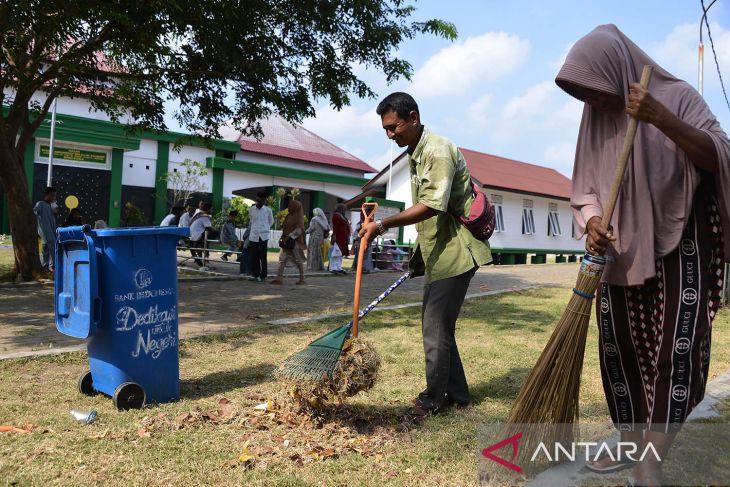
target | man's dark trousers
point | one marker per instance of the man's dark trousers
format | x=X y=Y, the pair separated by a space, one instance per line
x=259 y=266
x=445 y=377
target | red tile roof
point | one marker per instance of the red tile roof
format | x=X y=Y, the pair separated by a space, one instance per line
x=500 y=172
x=284 y=139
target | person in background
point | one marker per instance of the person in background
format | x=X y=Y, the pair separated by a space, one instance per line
x=318 y=230
x=340 y=239
x=228 y=234
x=45 y=212
x=186 y=217
x=367 y=261
x=293 y=227
x=260 y=221
x=662 y=283
x=100 y=225
x=201 y=224
x=173 y=219
x=74 y=219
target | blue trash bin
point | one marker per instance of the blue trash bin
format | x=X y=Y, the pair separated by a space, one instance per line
x=117 y=288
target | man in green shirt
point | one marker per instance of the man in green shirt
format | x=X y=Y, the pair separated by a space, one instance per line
x=446 y=252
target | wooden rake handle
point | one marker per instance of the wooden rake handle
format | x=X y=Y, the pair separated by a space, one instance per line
x=624 y=157
x=360 y=257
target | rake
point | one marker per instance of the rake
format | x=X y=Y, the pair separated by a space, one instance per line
x=551 y=392
x=320 y=357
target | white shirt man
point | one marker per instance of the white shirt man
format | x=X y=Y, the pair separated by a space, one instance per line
x=261 y=221
x=167 y=221
x=202 y=221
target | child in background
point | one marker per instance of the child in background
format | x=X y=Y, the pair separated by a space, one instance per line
x=228 y=235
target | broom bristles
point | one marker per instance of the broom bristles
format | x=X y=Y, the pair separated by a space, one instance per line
x=551 y=392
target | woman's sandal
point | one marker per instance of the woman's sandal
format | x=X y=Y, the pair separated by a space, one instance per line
x=614 y=466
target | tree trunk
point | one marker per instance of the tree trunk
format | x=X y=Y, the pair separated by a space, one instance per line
x=23 y=225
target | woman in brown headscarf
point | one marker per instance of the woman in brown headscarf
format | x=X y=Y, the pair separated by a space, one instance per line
x=293 y=227
x=665 y=248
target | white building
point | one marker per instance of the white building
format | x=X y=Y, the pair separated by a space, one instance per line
x=532 y=206
x=105 y=166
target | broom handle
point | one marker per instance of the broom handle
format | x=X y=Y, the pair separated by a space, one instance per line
x=360 y=257
x=382 y=296
x=624 y=157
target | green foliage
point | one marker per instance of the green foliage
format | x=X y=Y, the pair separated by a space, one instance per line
x=236 y=203
x=274 y=202
x=134 y=216
x=281 y=215
x=273 y=55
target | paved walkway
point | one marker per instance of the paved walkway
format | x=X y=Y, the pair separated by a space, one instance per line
x=226 y=304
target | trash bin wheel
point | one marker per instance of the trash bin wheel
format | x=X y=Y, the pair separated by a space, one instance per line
x=129 y=395
x=86 y=384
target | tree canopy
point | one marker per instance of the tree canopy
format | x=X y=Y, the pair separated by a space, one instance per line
x=220 y=60
x=270 y=54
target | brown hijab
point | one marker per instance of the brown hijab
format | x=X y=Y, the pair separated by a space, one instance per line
x=656 y=195
x=294 y=220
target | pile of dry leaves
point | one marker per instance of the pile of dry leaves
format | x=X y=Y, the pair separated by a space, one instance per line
x=306 y=421
x=356 y=371
x=280 y=431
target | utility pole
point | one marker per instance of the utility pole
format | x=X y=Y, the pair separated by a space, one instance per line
x=49 y=179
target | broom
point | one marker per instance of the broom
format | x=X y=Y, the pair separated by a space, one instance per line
x=320 y=357
x=550 y=395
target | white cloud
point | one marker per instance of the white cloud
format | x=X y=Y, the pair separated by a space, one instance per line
x=379 y=161
x=478 y=112
x=560 y=156
x=539 y=126
x=531 y=103
x=335 y=125
x=677 y=52
x=461 y=66
x=558 y=63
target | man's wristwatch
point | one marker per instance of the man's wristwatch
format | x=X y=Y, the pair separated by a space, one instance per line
x=381 y=227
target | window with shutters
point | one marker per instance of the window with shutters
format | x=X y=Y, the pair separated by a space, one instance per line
x=553 y=221
x=528 y=220
x=498 y=218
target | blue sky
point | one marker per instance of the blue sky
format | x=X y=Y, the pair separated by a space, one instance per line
x=492 y=89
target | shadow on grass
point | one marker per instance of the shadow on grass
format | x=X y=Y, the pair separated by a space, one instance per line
x=225 y=381
x=501 y=388
x=500 y=313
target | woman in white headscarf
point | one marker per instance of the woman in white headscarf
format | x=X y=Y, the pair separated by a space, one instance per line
x=318 y=230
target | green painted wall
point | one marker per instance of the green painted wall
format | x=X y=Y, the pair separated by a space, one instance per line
x=115 y=191
x=217 y=189
x=318 y=199
x=161 y=168
x=287 y=172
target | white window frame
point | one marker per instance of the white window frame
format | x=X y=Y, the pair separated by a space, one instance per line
x=553 y=224
x=498 y=219
x=528 y=222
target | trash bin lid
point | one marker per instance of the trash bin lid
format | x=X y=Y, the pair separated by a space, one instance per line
x=78 y=307
x=141 y=231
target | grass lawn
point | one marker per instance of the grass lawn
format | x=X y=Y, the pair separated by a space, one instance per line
x=7 y=259
x=500 y=338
